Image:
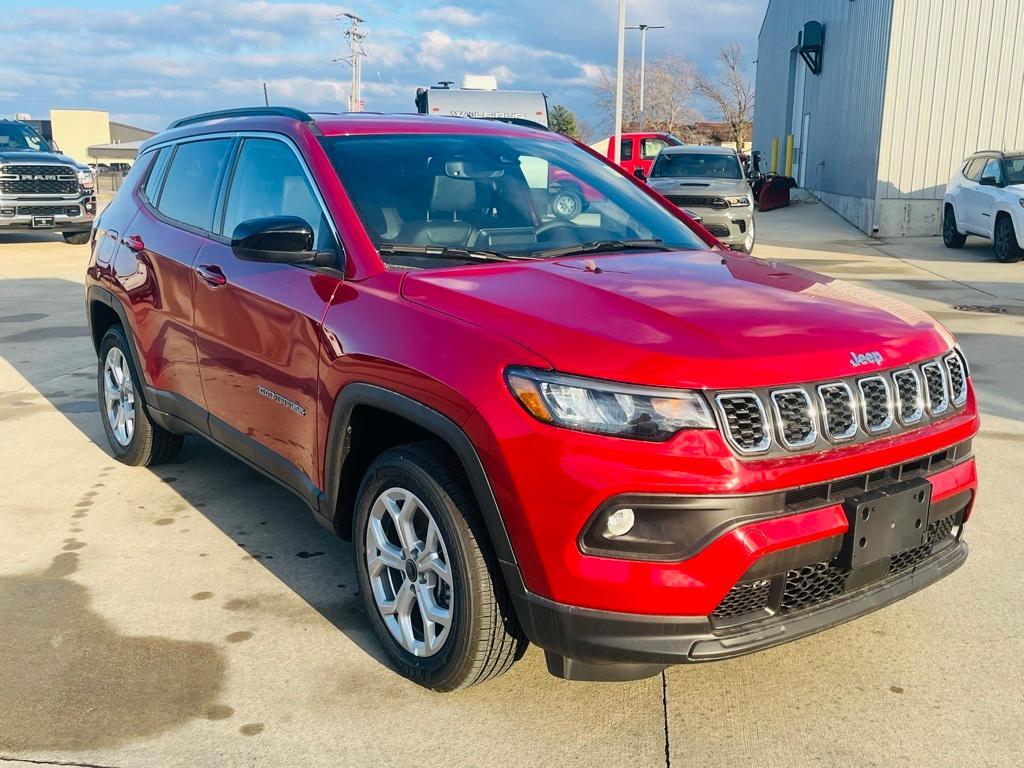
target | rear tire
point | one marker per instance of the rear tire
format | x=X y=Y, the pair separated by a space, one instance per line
x=76 y=238
x=422 y=560
x=951 y=237
x=1005 y=240
x=133 y=437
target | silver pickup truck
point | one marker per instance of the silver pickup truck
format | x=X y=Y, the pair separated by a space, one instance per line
x=42 y=189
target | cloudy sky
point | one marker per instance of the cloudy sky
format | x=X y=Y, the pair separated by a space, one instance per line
x=149 y=61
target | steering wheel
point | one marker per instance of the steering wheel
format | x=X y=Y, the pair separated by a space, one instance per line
x=548 y=226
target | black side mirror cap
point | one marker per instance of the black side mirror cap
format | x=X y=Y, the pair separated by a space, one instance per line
x=275 y=239
x=990 y=181
x=639 y=173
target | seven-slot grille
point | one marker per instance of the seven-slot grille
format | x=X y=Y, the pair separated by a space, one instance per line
x=38 y=180
x=805 y=417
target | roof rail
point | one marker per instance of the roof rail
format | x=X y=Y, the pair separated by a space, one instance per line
x=295 y=114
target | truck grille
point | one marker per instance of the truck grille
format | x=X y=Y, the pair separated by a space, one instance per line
x=811 y=585
x=699 y=201
x=851 y=410
x=48 y=210
x=38 y=180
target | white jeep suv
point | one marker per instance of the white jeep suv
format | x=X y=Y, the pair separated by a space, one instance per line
x=986 y=198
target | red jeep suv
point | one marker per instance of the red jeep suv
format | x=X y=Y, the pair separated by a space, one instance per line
x=606 y=435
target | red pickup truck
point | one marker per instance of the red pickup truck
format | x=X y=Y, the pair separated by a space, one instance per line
x=638 y=149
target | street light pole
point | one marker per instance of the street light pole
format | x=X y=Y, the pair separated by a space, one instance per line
x=620 y=72
x=643 y=58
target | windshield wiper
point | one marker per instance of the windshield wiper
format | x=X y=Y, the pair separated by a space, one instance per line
x=443 y=252
x=602 y=245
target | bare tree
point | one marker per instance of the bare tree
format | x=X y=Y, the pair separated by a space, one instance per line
x=732 y=93
x=671 y=82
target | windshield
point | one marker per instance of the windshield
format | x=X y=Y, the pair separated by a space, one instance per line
x=1014 y=169
x=15 y=136
x=510 y=197
x=704 y=165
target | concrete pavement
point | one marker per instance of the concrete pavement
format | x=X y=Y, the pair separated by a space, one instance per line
x=196 y=615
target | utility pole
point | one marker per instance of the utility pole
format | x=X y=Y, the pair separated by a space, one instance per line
x=355 y=37
x=643 y=58
x=619 y=75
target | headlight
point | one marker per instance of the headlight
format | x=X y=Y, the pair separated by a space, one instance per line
x=738 y=202
x=85 y=179
x=622 y=410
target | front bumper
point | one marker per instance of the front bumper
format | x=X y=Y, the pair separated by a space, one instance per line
x=583 y=644
x=63 y=214
x=733 y=227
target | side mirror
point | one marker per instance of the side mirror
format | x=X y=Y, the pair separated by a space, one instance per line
x=639 y=173
x=989 y=181
x=276 y=239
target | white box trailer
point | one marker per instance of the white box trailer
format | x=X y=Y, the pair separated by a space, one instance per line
x=531 y=106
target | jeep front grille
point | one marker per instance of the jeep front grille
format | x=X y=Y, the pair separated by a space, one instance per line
x=815 y=416
x=38 y=180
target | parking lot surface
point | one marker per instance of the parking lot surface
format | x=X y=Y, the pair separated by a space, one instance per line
x=196 y=615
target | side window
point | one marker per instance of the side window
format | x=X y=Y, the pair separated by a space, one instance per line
x=651 y=147
x=156 y=174
x=269 y=181
x=973 y=168
x=190 y=192
x=993 y=169
x=627 y=149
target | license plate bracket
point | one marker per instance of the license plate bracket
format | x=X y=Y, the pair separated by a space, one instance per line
x=885 y=522
x=42 y=222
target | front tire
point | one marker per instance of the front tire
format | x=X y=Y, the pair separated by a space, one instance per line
x=567 y=204
x=76 y=238
x=951 y=236
x=133 y=438
x=1005 y=240
x=435 y=598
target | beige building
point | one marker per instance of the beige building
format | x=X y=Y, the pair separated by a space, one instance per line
x=89 y=136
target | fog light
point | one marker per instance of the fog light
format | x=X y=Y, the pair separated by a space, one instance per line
x=620 y=522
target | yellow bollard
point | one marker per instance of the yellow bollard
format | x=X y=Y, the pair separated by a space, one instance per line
x=775 y=155
x=789 y=154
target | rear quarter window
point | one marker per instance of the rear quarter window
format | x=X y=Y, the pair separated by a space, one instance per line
x=189 y=192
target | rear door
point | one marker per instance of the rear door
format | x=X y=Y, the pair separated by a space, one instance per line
x=154 y=265
x=970 y=196
x=258 y=325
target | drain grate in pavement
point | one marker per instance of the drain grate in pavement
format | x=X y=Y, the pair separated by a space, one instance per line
x=989 y=310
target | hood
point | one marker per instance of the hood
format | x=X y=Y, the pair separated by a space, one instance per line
x=685 y=185
x=28 y=156
x=685 y=319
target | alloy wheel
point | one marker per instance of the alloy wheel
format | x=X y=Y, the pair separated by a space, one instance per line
x=409 y=572
x=119 y=396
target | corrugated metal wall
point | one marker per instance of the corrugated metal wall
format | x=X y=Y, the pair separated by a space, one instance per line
x=955 y=84
x=844 y=102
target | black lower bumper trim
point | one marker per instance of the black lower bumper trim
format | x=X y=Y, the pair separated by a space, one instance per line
x=599 y=641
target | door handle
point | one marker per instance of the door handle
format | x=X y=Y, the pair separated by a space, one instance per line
x=211 y=274
x=133 y=243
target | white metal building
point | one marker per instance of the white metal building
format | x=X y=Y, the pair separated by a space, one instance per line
x=906 y=90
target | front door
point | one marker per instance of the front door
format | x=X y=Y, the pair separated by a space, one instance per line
x=258 y=324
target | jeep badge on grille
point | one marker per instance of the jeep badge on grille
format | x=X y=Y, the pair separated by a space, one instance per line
x=867 y=358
